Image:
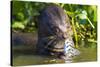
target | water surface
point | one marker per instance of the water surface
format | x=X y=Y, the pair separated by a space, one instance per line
x=24 y=55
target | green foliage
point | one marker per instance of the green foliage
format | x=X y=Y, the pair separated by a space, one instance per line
x=18 y=25
x=84 y=22
x=24 y=15
x=83 y=19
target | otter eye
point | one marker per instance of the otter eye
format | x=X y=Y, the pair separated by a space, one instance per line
x=57 y=30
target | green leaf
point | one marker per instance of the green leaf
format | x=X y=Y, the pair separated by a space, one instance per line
x=84 y=12
x=82 y=21
x=20 y=16
x=18 y=25
x=82 y=16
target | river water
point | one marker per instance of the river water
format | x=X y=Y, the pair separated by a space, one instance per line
x=24 y=55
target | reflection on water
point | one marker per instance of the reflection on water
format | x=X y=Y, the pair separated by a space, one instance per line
x=34 y=59
x=87 y=54
x=24 y=55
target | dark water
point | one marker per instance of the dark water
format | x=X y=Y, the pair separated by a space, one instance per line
x=24 y=55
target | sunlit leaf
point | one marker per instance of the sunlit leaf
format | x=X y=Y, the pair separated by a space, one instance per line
x=18 y=25
x=82 y=16
x=84 y=12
